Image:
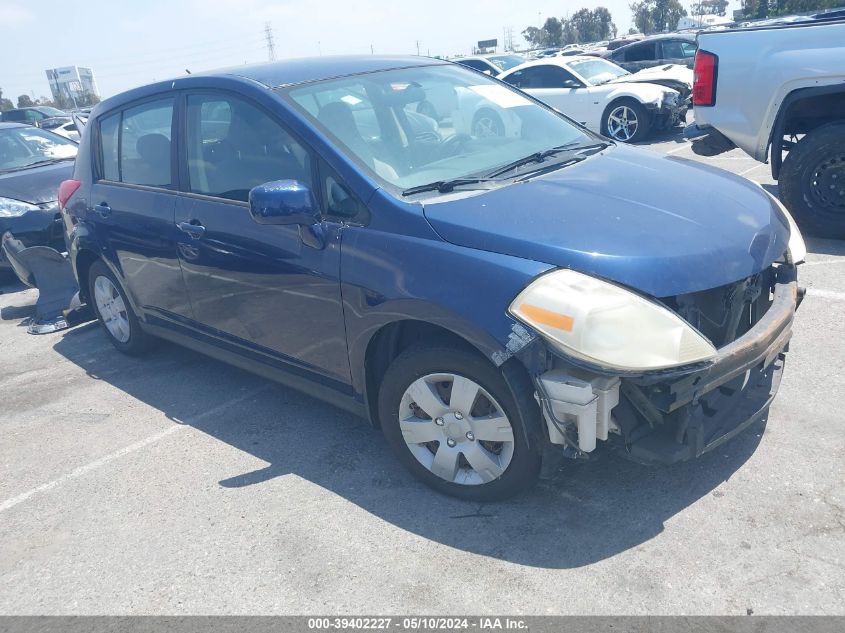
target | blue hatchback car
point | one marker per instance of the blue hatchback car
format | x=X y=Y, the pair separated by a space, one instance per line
x=494 y=290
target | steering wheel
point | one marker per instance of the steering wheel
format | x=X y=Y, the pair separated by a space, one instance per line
x=453 y=145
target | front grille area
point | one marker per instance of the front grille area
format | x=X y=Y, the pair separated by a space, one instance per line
x=725 y=313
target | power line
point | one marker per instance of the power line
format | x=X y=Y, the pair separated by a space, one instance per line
x=271 y=46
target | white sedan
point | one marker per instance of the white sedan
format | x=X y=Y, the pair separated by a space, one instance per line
x=606 y=98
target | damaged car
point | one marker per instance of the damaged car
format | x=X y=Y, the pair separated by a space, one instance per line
x=600 y=95
x=493 y=304
x=33 y=162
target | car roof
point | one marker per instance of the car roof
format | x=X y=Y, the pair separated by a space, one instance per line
x=556 y=61
x=10 y=124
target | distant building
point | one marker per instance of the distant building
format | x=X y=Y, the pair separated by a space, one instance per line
x=69 y=83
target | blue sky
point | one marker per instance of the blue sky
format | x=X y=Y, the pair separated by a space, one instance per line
x=130 y=43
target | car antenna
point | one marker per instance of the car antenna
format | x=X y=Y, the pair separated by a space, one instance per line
x=187 y=71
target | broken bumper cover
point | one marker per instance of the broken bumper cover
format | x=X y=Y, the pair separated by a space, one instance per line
x=678 y=414
x=692 y=414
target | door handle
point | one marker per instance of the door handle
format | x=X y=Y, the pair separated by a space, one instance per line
x=103 y=209
x=192 y=228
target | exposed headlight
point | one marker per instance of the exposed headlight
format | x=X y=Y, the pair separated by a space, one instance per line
x=796 y=247
x=670 y=99
x=606 y=325
x=10 y=208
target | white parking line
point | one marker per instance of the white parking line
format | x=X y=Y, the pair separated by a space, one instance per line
x=826 y=294
x=87 y=468
x=679 y=149
x=749 y=170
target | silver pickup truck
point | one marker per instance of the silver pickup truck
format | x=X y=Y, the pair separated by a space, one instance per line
x=778 y=93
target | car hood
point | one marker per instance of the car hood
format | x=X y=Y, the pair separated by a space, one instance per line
x=659 y=224
x=36 y=185
x=673 y=76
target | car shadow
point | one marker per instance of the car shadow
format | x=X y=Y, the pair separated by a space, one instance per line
x=588 y=512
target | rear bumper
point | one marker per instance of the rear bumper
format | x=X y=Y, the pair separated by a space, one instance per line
x=707 y=140
x=690 y=415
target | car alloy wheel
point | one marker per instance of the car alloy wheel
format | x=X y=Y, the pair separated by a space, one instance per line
x=455 y=429
x=487 y=126
x=827 y=184
x=112 y=309
x=622 y=123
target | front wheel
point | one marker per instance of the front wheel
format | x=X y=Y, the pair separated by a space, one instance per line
x=812 y=181
x=626 y=121
x=450 y=418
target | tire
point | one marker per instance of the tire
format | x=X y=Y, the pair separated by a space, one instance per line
x=487 y=124
x=509 y=463
x=626 y=108
x=812 y=181
x=129 y=339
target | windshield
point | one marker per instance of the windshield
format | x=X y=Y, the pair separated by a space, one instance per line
x=413 y=126
x=598 y=71
x=24 y=146
x=506 y=62
x=51 y=111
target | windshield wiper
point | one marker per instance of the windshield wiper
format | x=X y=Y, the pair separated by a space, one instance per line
x=539 y=157
x=49 y=161
x=444 y=186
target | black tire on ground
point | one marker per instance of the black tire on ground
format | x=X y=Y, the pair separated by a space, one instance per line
x=643 y=120
x=420 y=360
x=486 y=123
x=139 y=341
x=812 y=181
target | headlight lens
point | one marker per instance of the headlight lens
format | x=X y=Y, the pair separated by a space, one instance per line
x=10 y=208
x=606 y=325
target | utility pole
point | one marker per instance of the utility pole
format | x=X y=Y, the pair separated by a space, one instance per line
x=371 y=50
x=271 y=46
x=418 y=48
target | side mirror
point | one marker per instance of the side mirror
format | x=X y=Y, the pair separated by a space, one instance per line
x=283 y=202
x=571 y=83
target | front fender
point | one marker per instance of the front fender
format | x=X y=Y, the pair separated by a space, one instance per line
x=389 y=277
x=645 y=93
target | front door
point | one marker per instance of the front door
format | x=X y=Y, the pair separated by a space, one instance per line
x=259 y=287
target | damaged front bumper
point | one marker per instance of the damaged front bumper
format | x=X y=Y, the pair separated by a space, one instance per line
x=674 y=415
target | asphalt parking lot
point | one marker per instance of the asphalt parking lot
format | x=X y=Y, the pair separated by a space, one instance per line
x=174 y=484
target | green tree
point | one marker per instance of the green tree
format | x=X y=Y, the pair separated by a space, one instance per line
x=656 y=16
x=592 y=26
x=709 y=7
x=25 y=102
x=5 y=104
x=554 y=32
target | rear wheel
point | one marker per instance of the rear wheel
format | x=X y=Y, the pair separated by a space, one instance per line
x=812 y=181
x=626 y=121
x=451 y=419
x=114 y=311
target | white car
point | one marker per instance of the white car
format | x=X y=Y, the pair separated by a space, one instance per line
x=492 y=65
x=606 y=98
x=68 y=130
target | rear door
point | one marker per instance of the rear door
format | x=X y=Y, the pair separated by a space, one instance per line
x=133 y=202
x=271 y=291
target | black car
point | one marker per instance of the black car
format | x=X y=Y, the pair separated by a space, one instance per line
x=41 y=116
x=654 y=51
x=33 y=162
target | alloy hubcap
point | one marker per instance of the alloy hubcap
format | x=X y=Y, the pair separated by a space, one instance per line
x=111 y=308
x=485 y=127
x=454 y=428
x=828 y=182
x=622 y=123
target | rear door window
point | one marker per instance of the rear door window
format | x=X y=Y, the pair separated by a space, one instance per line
x=135 y=144
x=678 y=49
x=640 y=52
